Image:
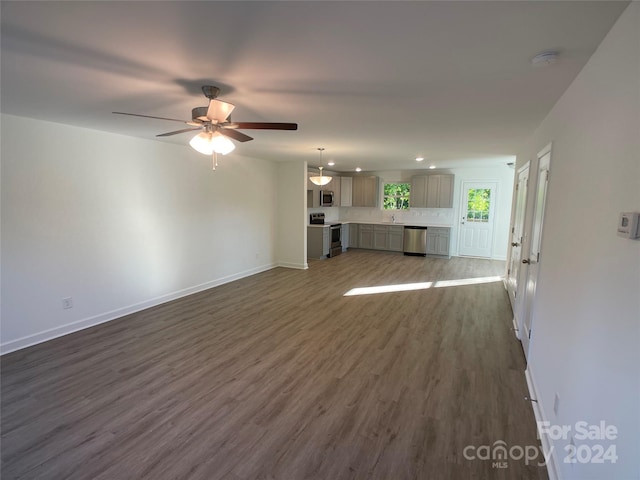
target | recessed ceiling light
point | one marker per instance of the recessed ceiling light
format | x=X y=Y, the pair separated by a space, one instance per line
x=432 y=167
x=331 y=164
x=358 y=169
x=419 y=159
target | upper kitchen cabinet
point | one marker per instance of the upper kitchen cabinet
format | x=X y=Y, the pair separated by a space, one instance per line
x=346 y=184
x=431 y=191
x=334 y=185
x=364 y=191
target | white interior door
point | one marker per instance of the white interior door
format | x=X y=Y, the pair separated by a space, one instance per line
x=533 y=261
x=517 y=237
x=476 y=226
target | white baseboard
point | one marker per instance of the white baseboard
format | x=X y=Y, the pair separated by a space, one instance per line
x=50 y=334
x=516 y=331
x=547 y=444
x=299 y=266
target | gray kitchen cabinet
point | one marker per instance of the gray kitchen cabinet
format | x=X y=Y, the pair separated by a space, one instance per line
x=364 y=191
x=318 y=241
x=380 y=237
x=438 y=239
x=365 y=236
x=431 y=191
x=346 y=184
x=353 y=235
x=418 y=195
x=440 y=191
x=334 y=186
x=396 y=237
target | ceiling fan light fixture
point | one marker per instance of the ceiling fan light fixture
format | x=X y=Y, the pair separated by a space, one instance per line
x=320 y=180
x=222 y=144
x=202 y=143
x=209 y=142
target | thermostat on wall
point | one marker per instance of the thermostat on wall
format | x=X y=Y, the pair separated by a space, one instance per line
x=629 y=225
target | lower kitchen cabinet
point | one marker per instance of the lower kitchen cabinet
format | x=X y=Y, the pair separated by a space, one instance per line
x=377 y=237
x=318 y=241
x=353 y=235
x=380 y=237
x=396 y=239
x=438 y=239
x=365 y=236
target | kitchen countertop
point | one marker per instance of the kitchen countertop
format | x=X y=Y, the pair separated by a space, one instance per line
x=397 y=224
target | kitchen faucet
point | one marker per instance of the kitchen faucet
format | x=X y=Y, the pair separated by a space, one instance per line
x=393 y=218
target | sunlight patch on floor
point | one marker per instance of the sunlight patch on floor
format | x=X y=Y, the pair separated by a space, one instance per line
x=407 y=287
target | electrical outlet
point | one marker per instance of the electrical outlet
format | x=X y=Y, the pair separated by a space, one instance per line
x=67 y=303
x=556 y=404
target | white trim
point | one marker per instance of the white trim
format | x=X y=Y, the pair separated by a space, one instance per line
x=516 y=332
x=78 y=325
x=298 y=266
x=547 y=445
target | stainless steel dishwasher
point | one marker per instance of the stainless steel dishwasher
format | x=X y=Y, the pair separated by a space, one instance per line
x=415 y=240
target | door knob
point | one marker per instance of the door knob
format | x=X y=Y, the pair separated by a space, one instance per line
x=515 y=244
x=526 y=260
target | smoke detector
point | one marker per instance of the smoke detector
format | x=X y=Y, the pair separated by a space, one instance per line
x=545 y=59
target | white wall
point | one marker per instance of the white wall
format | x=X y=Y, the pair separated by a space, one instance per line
x=585 y=340
x=119 y=224
x=291 y=243
x=502 y=175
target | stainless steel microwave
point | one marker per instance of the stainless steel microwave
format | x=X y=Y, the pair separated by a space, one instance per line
x=326 y=198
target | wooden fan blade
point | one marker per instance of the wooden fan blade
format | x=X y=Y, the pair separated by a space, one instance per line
x=264 y=126
x=241 y=137
x=150 y=116
x=168 y=134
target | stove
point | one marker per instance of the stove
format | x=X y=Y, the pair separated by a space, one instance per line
x=336 y=232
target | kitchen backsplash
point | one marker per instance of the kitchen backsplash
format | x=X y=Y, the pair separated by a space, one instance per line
x=432 y=216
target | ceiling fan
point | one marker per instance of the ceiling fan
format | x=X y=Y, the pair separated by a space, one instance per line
x=215 y=126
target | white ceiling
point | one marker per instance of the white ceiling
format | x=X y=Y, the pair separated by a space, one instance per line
x=375 y=83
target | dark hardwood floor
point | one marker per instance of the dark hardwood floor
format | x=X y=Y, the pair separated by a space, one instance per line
x=281 y=376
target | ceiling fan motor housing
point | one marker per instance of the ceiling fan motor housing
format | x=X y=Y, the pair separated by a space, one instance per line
x=210 y=91
x=199 y=113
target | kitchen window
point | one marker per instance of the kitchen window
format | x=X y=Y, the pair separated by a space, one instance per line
x=396 y=196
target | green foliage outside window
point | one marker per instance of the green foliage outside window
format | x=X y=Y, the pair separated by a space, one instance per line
x=478 y=204
x=396 y=196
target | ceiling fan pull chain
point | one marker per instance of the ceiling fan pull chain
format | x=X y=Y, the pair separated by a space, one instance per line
x=215 y=161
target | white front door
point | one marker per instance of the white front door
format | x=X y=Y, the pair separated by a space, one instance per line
x=517 y=238
x=533 y=260
x=476 y=226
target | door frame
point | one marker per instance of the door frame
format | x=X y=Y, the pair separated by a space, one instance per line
x=463 y=209
x=534 y=258
x=515 y=276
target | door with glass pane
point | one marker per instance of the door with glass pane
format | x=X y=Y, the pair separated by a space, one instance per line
x=477 y=219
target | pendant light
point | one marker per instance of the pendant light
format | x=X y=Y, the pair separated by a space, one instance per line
x=320 y=180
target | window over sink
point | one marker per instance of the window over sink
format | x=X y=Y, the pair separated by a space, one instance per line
x=396 y=196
